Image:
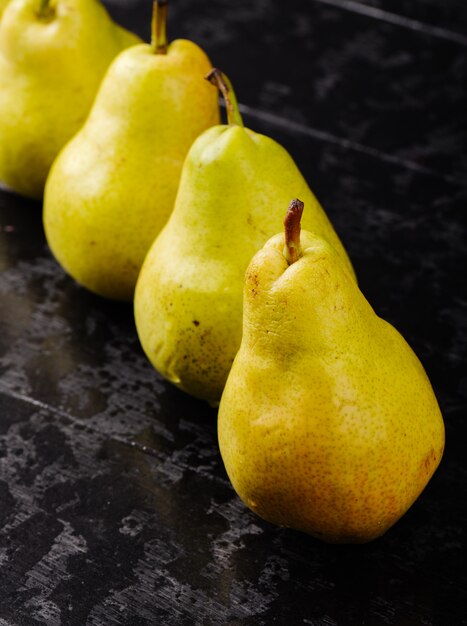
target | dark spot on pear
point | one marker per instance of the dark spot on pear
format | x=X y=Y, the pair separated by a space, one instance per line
x=429 y=460
x=253 y=279
x=195 y=322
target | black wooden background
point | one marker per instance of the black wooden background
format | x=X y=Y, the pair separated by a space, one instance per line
x=114 y=505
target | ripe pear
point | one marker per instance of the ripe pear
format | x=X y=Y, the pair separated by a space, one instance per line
x=3 y=4
x=53 y=55
x=112 y=188
x=328 y=423
x=188 y=299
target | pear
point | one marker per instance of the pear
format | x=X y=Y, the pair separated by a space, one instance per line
x=328 y=423
x=3 y=4
x=113 y=186
x=53 y=55
x=188 y=298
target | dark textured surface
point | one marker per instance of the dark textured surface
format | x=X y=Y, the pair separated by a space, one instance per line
x=346 y=75
x=443 y=16
x=114 y=505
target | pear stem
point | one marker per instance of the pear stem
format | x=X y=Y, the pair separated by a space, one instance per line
x=292 y=249
x=159 y=26
x=220 y=80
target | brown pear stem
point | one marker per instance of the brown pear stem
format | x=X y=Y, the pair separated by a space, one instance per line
x=292 y=250
x=220 y=80
x=159 y=26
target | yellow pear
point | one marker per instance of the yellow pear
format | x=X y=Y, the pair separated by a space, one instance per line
x=188 y=299
x=53 y=55
x=112 y=188
x=328 y=423
x=3 y=4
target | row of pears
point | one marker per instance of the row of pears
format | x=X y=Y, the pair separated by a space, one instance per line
x=327 y=421
x=152 y=191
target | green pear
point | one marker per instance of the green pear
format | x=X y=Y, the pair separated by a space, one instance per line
x=53 y=55
x=112 y=188
x=188 y=298
x=328 y=423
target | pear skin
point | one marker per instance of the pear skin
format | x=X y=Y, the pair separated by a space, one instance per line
x=3 y=4
x=112 y=188
x=328 y=423
x=51 y=65
x=188 y=299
